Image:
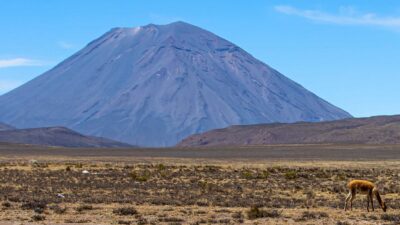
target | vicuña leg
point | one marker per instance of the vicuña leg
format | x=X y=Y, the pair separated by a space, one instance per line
x=353 y=195
x=372 y=200
x=347 y=201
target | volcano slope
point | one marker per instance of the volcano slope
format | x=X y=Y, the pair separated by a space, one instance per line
x=157 y=84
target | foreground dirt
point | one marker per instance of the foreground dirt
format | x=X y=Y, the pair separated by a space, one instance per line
x=86 y=191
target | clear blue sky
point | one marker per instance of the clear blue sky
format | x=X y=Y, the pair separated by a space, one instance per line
x=347 y=52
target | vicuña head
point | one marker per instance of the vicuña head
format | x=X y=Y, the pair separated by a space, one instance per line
x=365 y=187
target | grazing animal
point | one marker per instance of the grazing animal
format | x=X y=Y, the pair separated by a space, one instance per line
x=364 y=187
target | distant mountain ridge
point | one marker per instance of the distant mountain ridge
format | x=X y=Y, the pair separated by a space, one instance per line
x=373 y=130
x=157 y=84
x=4 y=126
x=55 y=136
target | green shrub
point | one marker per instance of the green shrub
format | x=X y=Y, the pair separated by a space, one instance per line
x=247 y=175
x=290 y=175
x=145 y=176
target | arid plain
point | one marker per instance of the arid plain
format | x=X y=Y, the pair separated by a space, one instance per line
x=281 y=184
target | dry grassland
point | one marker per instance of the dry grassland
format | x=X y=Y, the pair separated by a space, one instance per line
x=190 y=191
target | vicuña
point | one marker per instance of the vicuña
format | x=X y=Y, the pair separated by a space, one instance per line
x=364 y=187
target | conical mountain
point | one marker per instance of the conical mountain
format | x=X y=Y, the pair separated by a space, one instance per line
x=157 y=84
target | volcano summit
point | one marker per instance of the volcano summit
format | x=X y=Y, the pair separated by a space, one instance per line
x=157 y=84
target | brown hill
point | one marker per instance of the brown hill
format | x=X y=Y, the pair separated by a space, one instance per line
x=373 y=130
x=55 y=136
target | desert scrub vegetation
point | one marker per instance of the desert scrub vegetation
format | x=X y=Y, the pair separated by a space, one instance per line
x=37 y=206
x=84 y=207
x=58 y=209
x=255 y=213
x=38 y=217
x=342 y=223
x=391 y=217
x=36 y=189
x=141 y=176
x=249 y=174
x=125 y=211
x=291 y=174
x=6 y=205
x=309 y=215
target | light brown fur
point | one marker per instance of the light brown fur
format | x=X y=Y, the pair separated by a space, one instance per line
x=364 y=187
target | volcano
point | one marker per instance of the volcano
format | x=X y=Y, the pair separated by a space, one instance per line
x=157 y=84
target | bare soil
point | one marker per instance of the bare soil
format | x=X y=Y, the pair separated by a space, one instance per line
x=330 y=152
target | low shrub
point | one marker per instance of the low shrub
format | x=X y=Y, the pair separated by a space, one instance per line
x=57 y=209
x=36 y=206
x=391 y=217
x=84 y=207
x=6 y=204
x=342 y=223
x=312 y=215
x=38 y=217
x=255 y=213
x=290 y=175
x=125 y=211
